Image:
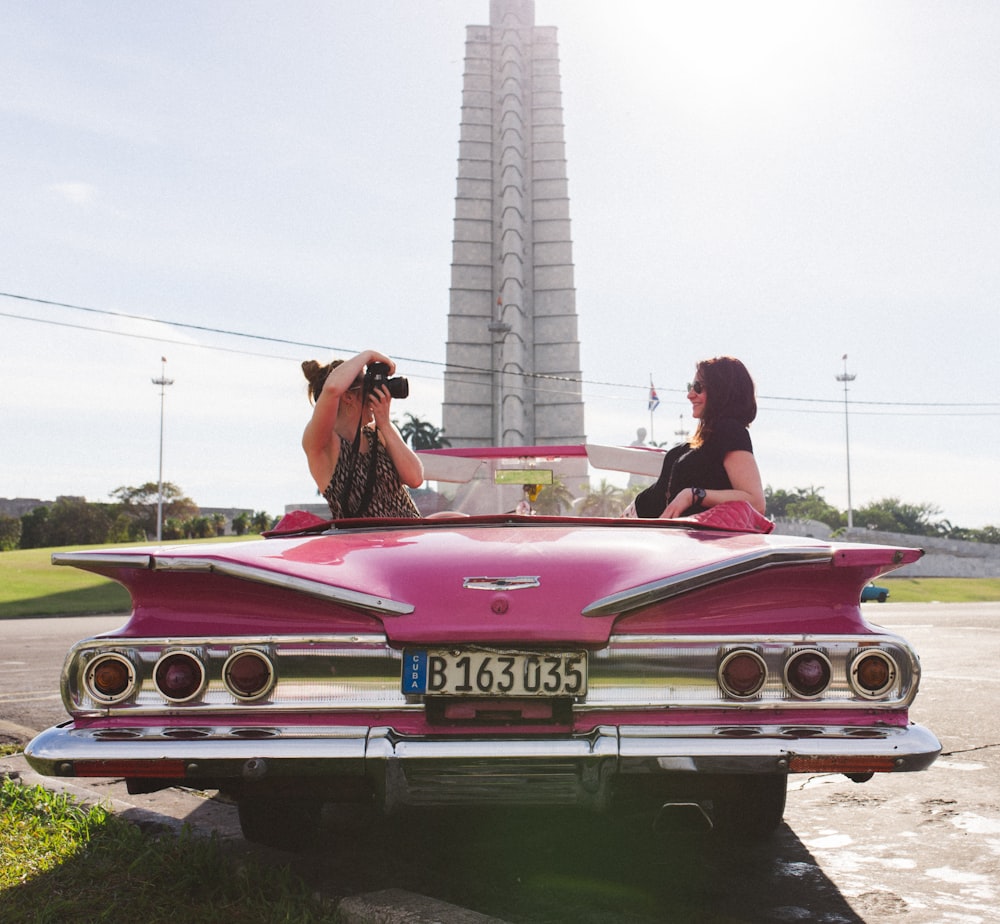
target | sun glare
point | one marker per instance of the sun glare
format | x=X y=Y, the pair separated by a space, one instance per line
x=727 y=56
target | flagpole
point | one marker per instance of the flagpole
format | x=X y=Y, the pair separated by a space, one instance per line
x=652 y=436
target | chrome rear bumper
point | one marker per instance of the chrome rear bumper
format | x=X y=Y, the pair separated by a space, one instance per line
x=407 y=771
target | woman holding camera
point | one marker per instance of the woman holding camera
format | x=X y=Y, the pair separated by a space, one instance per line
x=356 y=456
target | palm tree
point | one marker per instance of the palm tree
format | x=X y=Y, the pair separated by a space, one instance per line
x=554 y=499
x=241 y=523
x=606 y=500
x=262 y=521
x=421 y=434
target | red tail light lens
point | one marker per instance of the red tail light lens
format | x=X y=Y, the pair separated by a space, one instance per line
x=873 y=674
x=248 y=675
x=808 y=673
x=742 y=673
x=110 y=679
x=179 y=676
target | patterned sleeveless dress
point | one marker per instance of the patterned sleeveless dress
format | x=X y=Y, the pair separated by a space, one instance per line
x=389 y=499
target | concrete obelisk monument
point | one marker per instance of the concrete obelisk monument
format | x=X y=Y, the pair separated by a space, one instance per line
x=513 y=354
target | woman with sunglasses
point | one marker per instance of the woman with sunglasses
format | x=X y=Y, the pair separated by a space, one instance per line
x=356 y=456
x=717 y=465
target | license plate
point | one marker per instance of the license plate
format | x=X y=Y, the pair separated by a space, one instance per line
x=472 y=672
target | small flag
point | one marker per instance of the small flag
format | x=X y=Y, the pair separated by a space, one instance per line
x=654 y=401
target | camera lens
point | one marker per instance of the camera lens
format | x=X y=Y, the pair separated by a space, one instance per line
x=377 y=375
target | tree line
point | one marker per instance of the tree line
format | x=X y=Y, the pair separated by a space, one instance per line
x=888 y=514
x=130 y=517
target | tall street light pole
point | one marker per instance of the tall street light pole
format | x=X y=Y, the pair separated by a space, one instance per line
x=163 y=382
x=500 y=330
x=845 y=378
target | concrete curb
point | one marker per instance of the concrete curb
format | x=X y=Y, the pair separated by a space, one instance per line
x=394 y=906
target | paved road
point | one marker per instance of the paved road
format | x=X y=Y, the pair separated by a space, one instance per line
x=910 y=848
x=31 y=658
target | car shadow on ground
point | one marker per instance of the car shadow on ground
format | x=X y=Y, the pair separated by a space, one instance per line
x=538 y=866
x=548 y=865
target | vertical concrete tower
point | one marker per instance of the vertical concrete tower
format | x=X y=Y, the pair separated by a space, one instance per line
x=513 y=354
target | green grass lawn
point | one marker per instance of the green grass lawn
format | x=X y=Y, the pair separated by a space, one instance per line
x=30 y=585
x=61 y=861
x=941 y=590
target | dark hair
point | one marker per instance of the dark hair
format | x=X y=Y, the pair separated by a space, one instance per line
x=729 y=392
x=316 y=375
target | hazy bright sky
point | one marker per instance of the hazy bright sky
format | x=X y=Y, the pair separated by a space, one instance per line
x=786 y=182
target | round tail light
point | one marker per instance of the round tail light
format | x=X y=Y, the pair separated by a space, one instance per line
x=742 y=673
x=110 y=678
x=873 y=674
x=179 y=676
x=248 y=675
x=807 y=673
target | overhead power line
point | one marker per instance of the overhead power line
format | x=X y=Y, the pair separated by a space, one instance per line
x=942 y=406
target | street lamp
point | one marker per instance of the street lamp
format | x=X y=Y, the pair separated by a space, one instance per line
x=163 y=382
x=845 y=378
x=500 y=330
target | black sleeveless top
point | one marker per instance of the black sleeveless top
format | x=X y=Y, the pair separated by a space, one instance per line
x=684 y=467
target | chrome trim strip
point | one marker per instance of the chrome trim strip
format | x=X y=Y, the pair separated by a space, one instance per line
x=384 y=743
x=697 y=578
x=380 y=605
x=113 y=560
x=356 y=672
x=368 y=675
x=108 y=643
x=219 y=752
x=740 y=749
x=228 y=752
x=682 y=671
x=383 y=606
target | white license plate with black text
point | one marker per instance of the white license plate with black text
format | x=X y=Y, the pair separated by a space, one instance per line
x=474 y=672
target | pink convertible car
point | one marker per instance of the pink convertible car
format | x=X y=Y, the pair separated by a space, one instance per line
x=521 y=644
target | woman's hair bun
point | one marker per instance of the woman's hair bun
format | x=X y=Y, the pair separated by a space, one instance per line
x=316 y=375
x=310 y=369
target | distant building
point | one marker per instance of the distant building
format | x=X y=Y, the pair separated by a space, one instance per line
x=19 y=506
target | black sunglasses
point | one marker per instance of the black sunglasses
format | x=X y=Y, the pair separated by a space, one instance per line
x=696 y=386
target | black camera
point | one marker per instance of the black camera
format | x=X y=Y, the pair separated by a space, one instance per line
x=377 y=374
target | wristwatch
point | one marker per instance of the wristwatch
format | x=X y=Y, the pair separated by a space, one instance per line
x=699 y=495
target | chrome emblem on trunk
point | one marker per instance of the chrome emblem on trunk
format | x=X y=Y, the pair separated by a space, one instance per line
x=501 y=583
